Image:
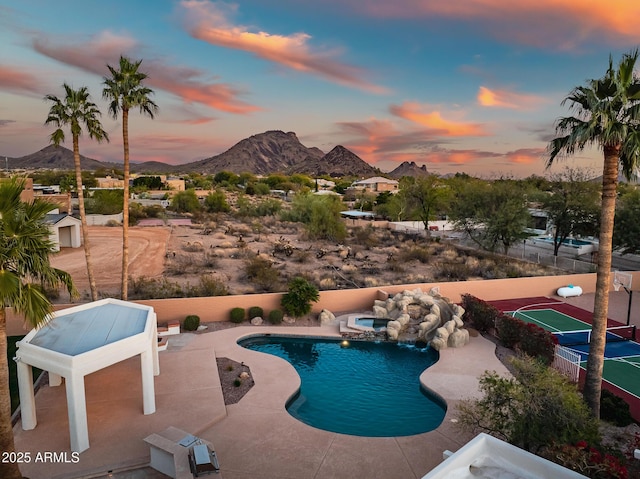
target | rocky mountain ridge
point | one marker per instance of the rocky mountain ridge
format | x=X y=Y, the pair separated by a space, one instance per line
x=270 y=152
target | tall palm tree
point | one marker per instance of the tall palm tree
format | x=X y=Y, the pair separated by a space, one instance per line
x=607 y=115
x=125 y=90
x=24 y=268
x=75 y=110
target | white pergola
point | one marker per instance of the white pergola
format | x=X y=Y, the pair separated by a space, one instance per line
x=79 y=341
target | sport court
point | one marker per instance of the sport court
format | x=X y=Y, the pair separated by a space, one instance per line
x=572 y=328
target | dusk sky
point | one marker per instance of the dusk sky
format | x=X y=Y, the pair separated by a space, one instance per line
x=469 y=86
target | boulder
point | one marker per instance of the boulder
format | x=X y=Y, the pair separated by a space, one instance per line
x=380 y=312
x=458 y=338
x=403 y=319
x=326 y=317
x=380 y=303
x=438 y=344
x=450 y=326
x=426 y=300
x=257 y=321
x=393 y=334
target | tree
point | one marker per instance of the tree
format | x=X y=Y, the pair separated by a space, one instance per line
x=319 y=214
x=185 y=202
x=626 y=230
x=534 y=409
x=24 y=269
x=125 y=90
x=607 y=115
x=76 y=110
x=572 y=205
x=424 y=197
x=216 y=202
x=493 y=214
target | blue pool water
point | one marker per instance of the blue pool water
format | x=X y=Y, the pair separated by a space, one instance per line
x=375 y=323
x=568 y=241
x=359 y=388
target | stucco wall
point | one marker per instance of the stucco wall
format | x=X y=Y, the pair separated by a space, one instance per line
x=217 y=308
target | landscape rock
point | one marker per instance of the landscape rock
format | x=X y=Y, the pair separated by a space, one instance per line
x=257 y=321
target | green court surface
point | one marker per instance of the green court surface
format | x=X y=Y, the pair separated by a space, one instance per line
x=623 y=373
x=551 y=320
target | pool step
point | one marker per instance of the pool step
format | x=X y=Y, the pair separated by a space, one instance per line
x=344 y=329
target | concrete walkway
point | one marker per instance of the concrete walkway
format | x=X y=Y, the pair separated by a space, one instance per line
x=255 y=438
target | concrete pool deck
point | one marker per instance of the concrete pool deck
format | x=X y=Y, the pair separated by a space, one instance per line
x=255 y=438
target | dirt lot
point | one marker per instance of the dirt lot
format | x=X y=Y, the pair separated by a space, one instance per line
x=147 y=247
x=225 y=250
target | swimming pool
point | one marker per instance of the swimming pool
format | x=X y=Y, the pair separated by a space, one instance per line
x=361 y=388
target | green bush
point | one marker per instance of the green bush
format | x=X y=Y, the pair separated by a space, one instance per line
x=237 y=382
x=297 y=300
x=255 y=311
x=191 y=322
x=509 y=330
x=275 y=316
x=538 y=342
x=237 y=315
x=614 y=409
x=479 y=314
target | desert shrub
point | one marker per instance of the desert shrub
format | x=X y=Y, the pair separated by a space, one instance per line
x=614 y=409
x=149 y=288
x=275 y=316
x=268 y=207
x=261 y=273
x=417 y=253
x=452 y=272
x=366 y=237
x=113 y=223
x=193 y=247
x=237 y=382
x=237 y=315
x=297 y=300
x=210 y=285
x=191 y=322
x=255 y=312
x=535 y=408
x=301 y=256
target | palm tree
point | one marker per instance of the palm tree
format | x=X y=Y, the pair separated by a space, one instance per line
x=607 y=115
x=24 y=269
x=74 y=111
x=125 y=90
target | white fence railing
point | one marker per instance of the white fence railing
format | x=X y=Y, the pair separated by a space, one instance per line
x=567 y=362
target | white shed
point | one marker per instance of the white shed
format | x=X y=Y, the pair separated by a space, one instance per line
x=79 y=341
x=65 y=230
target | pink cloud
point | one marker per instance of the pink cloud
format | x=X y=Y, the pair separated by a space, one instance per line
x=186 y=83
x=560 y=24
x=209 y=22
x=434 y=121
x=19 y=81
x=507 y=99
x=383 y=143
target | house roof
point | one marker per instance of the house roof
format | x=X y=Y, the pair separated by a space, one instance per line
x=374 y=180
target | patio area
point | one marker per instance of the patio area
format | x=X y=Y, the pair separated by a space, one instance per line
x=255 y=438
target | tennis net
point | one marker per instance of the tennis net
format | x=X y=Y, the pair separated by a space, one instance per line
x=614 y=334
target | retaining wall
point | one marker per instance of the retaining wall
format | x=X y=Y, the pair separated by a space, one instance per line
x=217 y=308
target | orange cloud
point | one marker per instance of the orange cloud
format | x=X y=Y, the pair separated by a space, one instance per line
x=560 y=24
x=209 y=22
x=18 y=81
x=526 y=156
x=186 y=83
x=507 y=99
x=433 y=120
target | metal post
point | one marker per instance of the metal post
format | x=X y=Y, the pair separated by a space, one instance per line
x=630 y=293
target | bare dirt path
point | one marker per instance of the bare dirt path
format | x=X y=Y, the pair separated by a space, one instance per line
x=147 y=248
